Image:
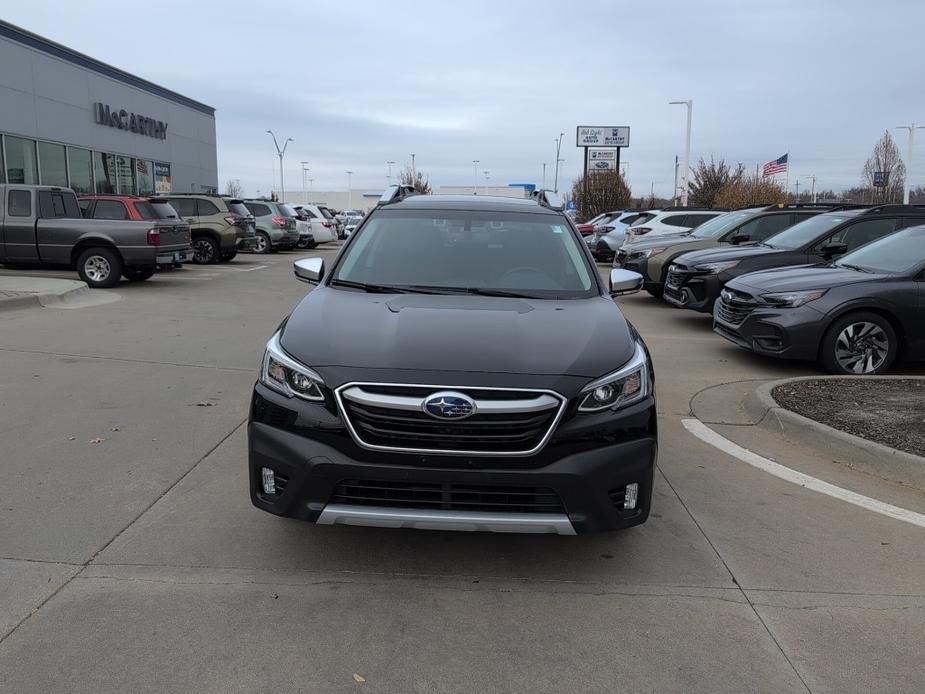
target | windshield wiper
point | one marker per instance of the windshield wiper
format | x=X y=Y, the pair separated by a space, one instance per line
x=766 y=245
x=373 y=288
x=480 y=291
x=853 y=267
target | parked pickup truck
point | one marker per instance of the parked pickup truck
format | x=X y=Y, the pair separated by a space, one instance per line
x=42 y=225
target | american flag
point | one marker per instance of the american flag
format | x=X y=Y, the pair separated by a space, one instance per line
x=776 y=166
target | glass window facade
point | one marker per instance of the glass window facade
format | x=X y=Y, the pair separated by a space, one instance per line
x=34 y=162
x=80 y=170
x=52 y=165
x=20 y=160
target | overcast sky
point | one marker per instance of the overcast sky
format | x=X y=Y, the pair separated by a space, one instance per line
x=356 y=84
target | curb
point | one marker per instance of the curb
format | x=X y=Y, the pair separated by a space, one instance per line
x=868 y=456
x=43 y=299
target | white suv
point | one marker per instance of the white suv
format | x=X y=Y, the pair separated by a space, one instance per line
x=670 y=220
x=323 y=229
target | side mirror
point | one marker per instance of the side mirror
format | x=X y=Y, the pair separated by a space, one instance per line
x=624 y=282
x=739 y=238
x=309 y=270
x=830 y=250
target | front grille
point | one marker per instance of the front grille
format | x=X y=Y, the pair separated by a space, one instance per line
x=500 y=426
x=446 y=496
x=733 y=308
x=617 y=497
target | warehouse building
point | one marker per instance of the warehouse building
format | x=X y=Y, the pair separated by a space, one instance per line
x=69 y=120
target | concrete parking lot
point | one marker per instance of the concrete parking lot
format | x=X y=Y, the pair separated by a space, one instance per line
x=131 y=558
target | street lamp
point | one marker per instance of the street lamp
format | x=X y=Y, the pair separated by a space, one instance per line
x=280 y=153
x=304 y=171
x=687 y=150
x=486 y=182
x=544 y=175
x=414 y=171
x=475 y=181
x=349 y=191
x=390 y=171
x=812 y=177
x=310 y=182
x=911 y=128
x=558 y=147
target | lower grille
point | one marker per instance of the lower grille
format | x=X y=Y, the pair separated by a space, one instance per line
x=617 y=497
x=446 y=496
x=733 y=309
x=391 y=417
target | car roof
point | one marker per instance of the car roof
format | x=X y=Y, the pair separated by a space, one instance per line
x=482 y=203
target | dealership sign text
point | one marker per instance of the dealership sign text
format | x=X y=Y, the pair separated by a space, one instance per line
x=122 y=119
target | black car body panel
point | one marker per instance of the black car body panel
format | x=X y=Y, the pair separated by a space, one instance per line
x=340 y=452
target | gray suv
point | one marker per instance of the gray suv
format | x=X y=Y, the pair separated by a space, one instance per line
x=219 y=227
x=276 y=225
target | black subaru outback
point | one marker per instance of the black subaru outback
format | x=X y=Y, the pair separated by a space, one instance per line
x=459 y=366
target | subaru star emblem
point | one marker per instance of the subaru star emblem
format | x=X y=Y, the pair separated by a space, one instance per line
x=449 y=405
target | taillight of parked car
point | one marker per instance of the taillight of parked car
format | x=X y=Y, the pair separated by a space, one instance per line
x=327 y=225
x=154 y=237
x=279 y=221
x=234 y=219
x=639 y=231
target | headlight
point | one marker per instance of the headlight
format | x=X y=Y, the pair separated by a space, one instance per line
x=629 y=384
x=647 y=253
x=285 y=375
x=714 y=268
x=792 y=299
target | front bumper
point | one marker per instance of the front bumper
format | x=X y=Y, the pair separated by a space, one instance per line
x=588 y=472
x=791 y=333
x=694 y=291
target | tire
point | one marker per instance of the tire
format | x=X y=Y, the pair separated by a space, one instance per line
x=263 y=244
x=138 y=274
x=100 y=268
x=860 y=343
x=228 y=256
x=205 y=250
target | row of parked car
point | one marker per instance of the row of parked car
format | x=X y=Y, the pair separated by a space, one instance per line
x=107 y=237
x=844 y=285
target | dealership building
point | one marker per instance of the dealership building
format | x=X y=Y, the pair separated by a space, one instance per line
x=69 y=120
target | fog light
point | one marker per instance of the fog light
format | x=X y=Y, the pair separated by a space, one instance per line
x=629 y=499
x=269 y=481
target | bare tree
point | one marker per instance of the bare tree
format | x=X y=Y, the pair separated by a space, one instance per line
x=750 y=190
x=710 y=179
x=415 y=178
x=233 y=188
x=885 y=159
x=599 y=191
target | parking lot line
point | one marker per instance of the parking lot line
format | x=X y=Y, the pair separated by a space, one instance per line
x=706 y=434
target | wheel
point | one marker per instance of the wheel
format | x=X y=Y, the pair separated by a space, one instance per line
x=263 y=243
x=100 y=268
x=138 y=274
x=859 y=343
x=228 y=256
x=205 y=251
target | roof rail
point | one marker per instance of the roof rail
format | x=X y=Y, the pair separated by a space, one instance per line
x=802 y=206
x=882 y=209
x=549 y=198
x=396 y=193
x=682 y=208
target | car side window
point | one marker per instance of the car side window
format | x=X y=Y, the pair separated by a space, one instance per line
x=678 y=220
x=860 y=233
x=206 y=208
x=19 y=203
x=257 y=209
x=694 y=220
x=911 y=222
x=309 y=214
x=764 y=227
x=109 y=209
x=185 y=207
x=84 y=207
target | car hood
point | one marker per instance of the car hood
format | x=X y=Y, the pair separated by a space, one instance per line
x=336 y=327
x=661 y=241
x=718 y=255
x=799 y=278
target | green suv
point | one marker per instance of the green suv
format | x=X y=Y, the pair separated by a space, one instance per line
x=276 y=225
x=651 y=257
x=219 y=227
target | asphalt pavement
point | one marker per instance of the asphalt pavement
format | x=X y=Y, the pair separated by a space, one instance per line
x=131 y=558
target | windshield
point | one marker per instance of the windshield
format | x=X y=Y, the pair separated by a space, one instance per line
x=894 y=254
x=156 y=209
x=530 y=255
x=287 y=211
x=326 y=212
x=805 y=232
x=720 y=225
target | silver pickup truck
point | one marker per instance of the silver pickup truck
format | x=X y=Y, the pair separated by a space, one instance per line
x=42 y=225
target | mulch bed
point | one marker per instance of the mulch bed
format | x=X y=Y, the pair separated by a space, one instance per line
x=888 y=411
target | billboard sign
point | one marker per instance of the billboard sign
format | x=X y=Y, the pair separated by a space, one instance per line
x=881 y=179
x=602 y=136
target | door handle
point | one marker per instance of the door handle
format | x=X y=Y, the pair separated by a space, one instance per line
x=191 y=220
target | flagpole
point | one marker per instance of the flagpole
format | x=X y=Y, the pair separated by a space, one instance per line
x=787 y=184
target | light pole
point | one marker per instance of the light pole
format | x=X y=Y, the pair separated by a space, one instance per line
x=911 y=128
x=390 y=171
x=310 y=182
x=812 y=192
x=685 y=173
x=349 y=190
x=414 y=171
x=475 y=180
x=280 y=153
x=544 y=175
x=486 y=179
x=304 y=171
x=558 y=147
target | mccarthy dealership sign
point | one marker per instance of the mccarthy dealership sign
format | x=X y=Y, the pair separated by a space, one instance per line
x=124 y=120
x=599 y=136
